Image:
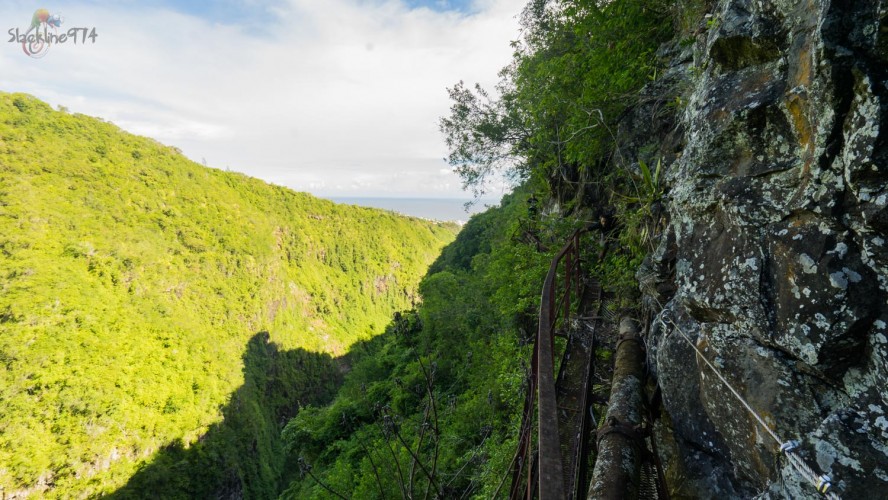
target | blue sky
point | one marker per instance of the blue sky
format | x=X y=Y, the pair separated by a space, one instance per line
x=234 y=11
x=333 y=97
x=259 y=14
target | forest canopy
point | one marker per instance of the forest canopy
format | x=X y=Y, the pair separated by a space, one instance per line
x=134 y=281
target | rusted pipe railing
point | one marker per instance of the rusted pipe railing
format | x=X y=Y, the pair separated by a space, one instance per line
x=544 y=469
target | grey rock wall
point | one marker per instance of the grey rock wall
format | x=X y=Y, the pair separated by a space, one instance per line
x=776 y=251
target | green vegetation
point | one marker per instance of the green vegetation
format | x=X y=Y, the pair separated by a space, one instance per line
x=161 y=323
x=555 y=123
x=133 y=281
x=243 y=454
x=575 y=72
x=434 y=404
x=433 y=407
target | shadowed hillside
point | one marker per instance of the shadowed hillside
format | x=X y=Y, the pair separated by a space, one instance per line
x=133 y=277
x=242 y=456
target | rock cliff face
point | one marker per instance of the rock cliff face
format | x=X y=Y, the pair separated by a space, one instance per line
x=775 y=259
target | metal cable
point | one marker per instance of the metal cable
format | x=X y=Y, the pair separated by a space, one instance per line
x=728 y=385
x=822 y=483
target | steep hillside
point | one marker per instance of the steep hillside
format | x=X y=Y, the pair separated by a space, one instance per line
x=433 y=409
x=430 y=407
x=133 y=279
x=735 y=153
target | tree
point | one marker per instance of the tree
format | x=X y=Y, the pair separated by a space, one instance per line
x=484 y=136
x=575 y=71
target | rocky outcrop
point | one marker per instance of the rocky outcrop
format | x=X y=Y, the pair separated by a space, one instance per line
x=775 y=259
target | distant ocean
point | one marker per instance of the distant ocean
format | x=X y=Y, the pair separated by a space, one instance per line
x=442 y=209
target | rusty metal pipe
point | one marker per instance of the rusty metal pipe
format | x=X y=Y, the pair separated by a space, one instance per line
x=617 y=472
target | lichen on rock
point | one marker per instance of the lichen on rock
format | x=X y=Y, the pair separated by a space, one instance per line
x=775 y=261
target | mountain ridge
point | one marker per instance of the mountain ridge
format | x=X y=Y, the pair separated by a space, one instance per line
x=133 y=277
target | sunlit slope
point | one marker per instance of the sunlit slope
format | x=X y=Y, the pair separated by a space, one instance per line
x=131 y=280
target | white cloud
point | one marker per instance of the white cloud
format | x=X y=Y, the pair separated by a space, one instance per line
x=335 y=93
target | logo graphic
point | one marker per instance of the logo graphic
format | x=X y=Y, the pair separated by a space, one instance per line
x=44 y=31
x=38 y=45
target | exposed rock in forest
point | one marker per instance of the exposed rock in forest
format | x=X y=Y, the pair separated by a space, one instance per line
x=775 y=259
